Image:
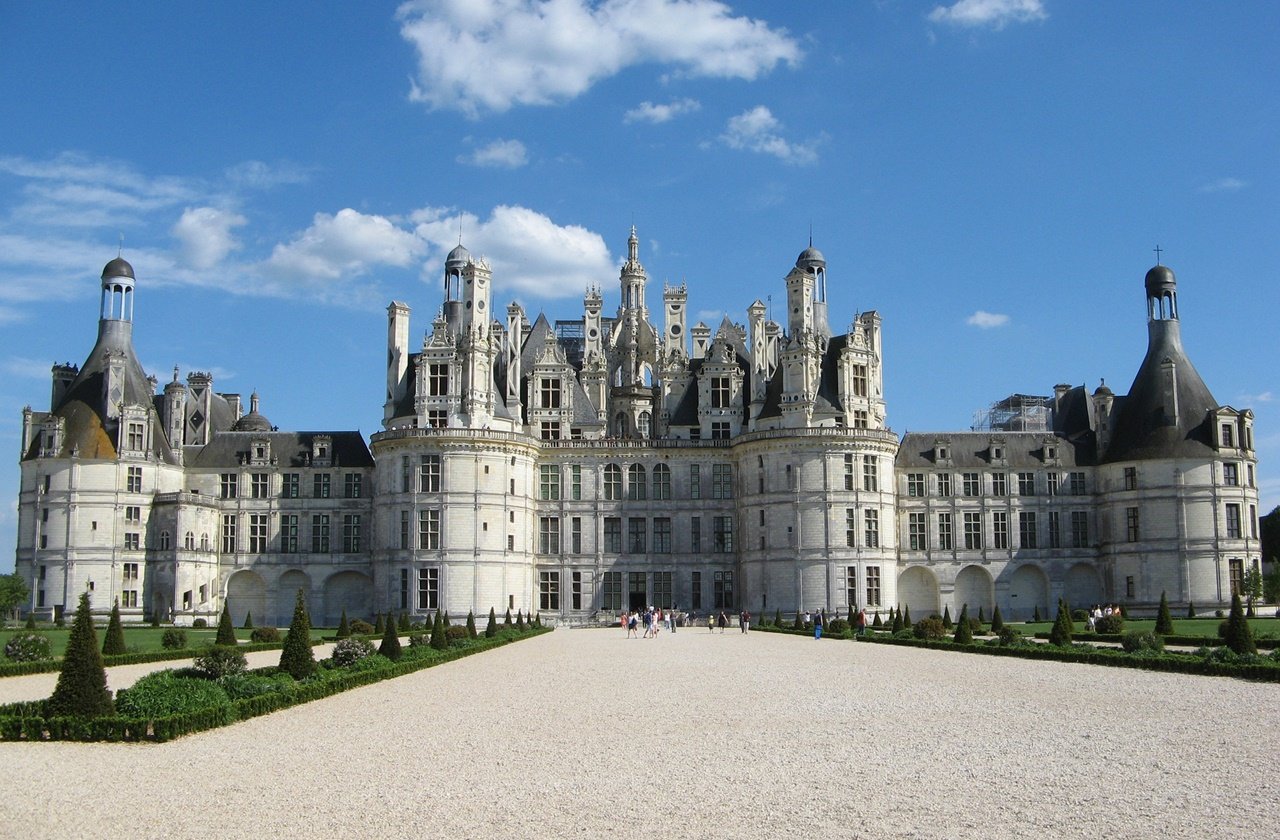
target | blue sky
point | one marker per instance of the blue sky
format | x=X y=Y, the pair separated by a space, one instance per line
x=992 y=176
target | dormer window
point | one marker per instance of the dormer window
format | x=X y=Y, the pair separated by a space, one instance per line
x=550 y=392
x=1228 y=436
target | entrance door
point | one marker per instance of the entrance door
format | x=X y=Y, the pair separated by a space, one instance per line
x=637 y=592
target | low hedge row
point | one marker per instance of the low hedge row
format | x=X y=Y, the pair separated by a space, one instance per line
x=1171 y=639
x=26 y=721
x=20 y=669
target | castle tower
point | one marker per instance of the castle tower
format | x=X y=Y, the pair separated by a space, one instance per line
x=397 y=356
x=674 y=300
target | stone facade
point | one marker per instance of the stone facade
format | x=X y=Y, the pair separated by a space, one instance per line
x=607 y=462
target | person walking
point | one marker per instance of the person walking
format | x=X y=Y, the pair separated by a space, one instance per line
x=860 y=621
x=722 y=620
x=744 y=621
x=673 y=618
x=817 y=625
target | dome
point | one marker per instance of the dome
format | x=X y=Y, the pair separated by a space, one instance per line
x=458 y=256
x=119 y=267
x=1160 y=279
x=253 y=421
x=810 y=256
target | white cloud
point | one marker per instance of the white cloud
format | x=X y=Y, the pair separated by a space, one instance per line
x=205 y=237
x=500 y=154
x=345 y=245
x=651 y=113
x=996 y=14
x=757 y=130
x=1224 y=185
x=255 y=174
x=1257 y=399
x=986 y=320
x=491 y=55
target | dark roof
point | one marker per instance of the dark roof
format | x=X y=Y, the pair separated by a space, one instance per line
x=972 y=450
x=118 y=267
x=290 y=449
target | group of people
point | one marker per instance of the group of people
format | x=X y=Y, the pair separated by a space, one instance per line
x=1098 y=612
x=652 y=620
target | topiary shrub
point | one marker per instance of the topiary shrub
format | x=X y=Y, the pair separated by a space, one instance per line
x=28 y=647
x=344 y=627
x=1237 y=635
x=264 y=635
x=349 y=651
x=507 y=621
x=360 y=627
x=226 y=633
x=219 y=661
x=777 y=617
x=379 y=624
x=1079 y=615
x=82 y=683
x=166 y=693
x=1109 y=624
x=471 y=625
x=200 y=624
x=390 y=647
x=456 y=634
x=1009 y=637
x=906 y=617
x=1164 y=621
x=982 y=618
x=31 y=621
x=439 y=641
x=175 y=638
x=296 y=657
x=964 y=628
x=419 y=640
x=248 y=621
x=1142 y=640
x=1191 y=610
x=1062 y=629
x=113 y=642
x=929 y=628
x=520 y=621
x=1035 y=616
x=997 y=621
x=837 y=627
x=877 y=621
x=947 y=623
x=491 y=629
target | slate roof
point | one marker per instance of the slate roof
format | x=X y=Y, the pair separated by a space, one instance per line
x=290 y=449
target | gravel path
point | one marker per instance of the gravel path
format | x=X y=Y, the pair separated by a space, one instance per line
x=584 y=733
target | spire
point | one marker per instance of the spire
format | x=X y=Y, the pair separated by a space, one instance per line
x=633 y=246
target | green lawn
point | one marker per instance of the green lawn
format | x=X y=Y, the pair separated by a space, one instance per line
x=137 y=639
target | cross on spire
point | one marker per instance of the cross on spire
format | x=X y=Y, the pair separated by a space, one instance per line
x=1157 y=249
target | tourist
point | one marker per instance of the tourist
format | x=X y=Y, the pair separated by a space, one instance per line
x=722 y=620
x=860 y=622
x=808 y=619
x=673 y=618
x=817 y=625
x=744 y=621
x=631 y=625
x=711 y=622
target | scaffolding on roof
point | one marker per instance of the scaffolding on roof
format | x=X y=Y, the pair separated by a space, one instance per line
x=1015 y=413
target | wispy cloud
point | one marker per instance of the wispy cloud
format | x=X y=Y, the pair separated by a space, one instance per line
x=659 y=113
x=205 y=236
x=27 y=368
x=995 y=14
x=1223 y=185
x=758 y=130
x=986 y=320
x=1257 y=399
x=492 y=55
x=499 y=154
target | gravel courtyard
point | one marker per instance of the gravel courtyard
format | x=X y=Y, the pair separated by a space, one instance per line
x=585 y=733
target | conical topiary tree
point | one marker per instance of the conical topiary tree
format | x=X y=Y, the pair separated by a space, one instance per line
x=1239 y=637
x=997 y=621
x=31 y=621
x=390 y=647
x=982 y=619
x=798 y=624
x=947 y=623
x=439 y=640
x=897 y=619
x=906 y=617
x=248 y=621
x=1062 y=626
x=113 y=643
x=777 y=618
x=877 y=621
x=82 y=682
x=379 y=624
x=226 y=633
x=296 y=658
x=964 y=632
x=1035 y=617
x=1191 y=610
x=491 y=629
x=471 y=624
x=403 y=624
x=537 y=619
x=344 y=626
x=507 y=621
x=520 y=621
x=1164 y=621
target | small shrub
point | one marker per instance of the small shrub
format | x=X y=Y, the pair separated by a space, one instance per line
x=226 y=633
x=31 y=621
x=174 y=638
x=219 y=661
x=1079 y=615
x=1191 y=610
x=471 y=625
x=372 y=662
x=1218 y=613
x=113 y=641
x=165 y=693
x=28 y=647
x=1113 y=623
x=1009 y=637
x=964 y=627
x=877 y=621
x=296 y=657
x=904 y=634
x=1164 y=621
x=242 y=685
x=1238 y=635
x=491 y=629
x=390 y=647
x=360 y=627
x=929 y=628
x=200 y=624
x=456 y=633
x=421 y=640
x=836 y=627
x=403 y=623
x=947 y=623
x=1142 y=640
x=344 y=626
x=82 y=681
x=264 y=635
x=349 y=651
x=379 y=625
x=997 y=620
x=248 y=621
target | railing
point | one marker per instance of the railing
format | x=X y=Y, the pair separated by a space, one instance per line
x=826 y=432
x=185 y=498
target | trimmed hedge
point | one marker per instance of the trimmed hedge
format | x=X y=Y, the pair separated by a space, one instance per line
x=48 y=666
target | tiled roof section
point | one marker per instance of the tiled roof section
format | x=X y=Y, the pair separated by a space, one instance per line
x=290 y=449
x=540 y=335
x=972 y=450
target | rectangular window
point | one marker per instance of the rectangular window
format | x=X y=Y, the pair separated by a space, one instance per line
x=722 y=534
x=129 y=598
x=320 y=533
x=999 y=484
x=132 y=514
x=352 y=485
x=437 y=418
x=351 y=535
x=1000 y=529
x=915 y=485
x=429 y=474
x=612 y=483
x=695 y=534
x=1026 y=484
x=549 y=430
x=1129 y=586
x=320 y=486
x=404 y=589
x=575 y=592
x=133 y=481
x=720 y=392
x=132 y=541
x=851 y=585
x=917 y=533
x=1053 y=480
x=870 y=474
x=944 y=532
x=636 y=485
x=613 y=535
x=695 y=481
x=873 y=586
x=722 y=481
x=859 y=380
x=429 y=529
x=1131 y=529
x=611 y=591
x=695 y=591
x=848 y=473
x=135 y=437
x=973 y=530
x=406 y=530
x=1235 y=572
x=406 y=474
x=1079 y=529
x=944 y=484
x=289 y=485
x=1230 y=475
x=662 y=590
x=1228 y=436
x=130 y=571
x=720 y=430
x=970 y=485
x=575 y=482
x=549 y=392
x=635 y=535
x=1248 y=472
x=1131 y=478
x=850 y=528
x=438 y=380
x=259 y=484
x=662 y=535
x=1055 y=529
x=289 y=533
x=258 y=532
x=575 y=535
x=861 y=419
x=1027 y=532
x=229 y=485
x=549 y=482
x=228 y=533
x=1077 y=484
x=722 y=589
x=549 y=534
x=429 y=588
x=871 y=528
x=1253 y=521
x=549 y=591
x=1233 y=522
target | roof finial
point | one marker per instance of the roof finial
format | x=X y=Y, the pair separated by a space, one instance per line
x=1157 y=249
x=811 y=233
x=120 y=250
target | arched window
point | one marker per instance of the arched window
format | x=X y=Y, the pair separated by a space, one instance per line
x=636 y=482
x=164 y=540
x=189 y=541
x=204 y=542
x=612 y=482
x=646 y=420
x=662 y=482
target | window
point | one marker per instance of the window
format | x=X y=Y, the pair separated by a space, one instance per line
x=1228 y=436
x=320 y=533
x=549 y=591
x=1129 y=586
x=351 y=485
x=259 y=485
x=133 y=481
x=915 y=485
x=133 y=541
x=611 y=591
x=873 y=586
x=973 y=530
x=429 y=529
x=575 y=482
x=917 y=536
x=871 y=527
x=695 y=534
x=406 y=474
x=437 y=418
x=636 y=482
x=320 y=486
x=970 y=484
x=135 y=437
x=129 y=598
x=1079 y=529
x=612 y=482
x=722 y=534
x=662 y=590
x=662 y=535
x=189 y=541
x=164 y=541
x=1235 y=571
x=695 y=590
x=720 y=430
x=722 y=481
x=695 y=481
x=861 y=419
x=1027 y=529
x=549 y=430
x=719 y=392
x=851 y=585
x=437 y=380
x=645 y=424
x=848 y=472
x=258 y=532
x=289 y=533
x=613 y=535
x=429 y=474
x=1055 y=529
x=1000 y=529
x=132 y=514
x=662 y=482
x=850 y=528
x=429 y=588
x=1230 y=475
x=228 y=533
x=1131 y=524
x=1131 y=478
x=870 y=478
x=1253 y=521
x=575 y=535
x=289 y=485
x=944 y=484
x=1248 y=472
x=228 y=485
x=1077 y=484
x=722 y=589
x=351 y=533
x=1026 y=484
x=944 y=532
x=1233 y=522
x=999 y=484
x=635 y=535
x=1053 y=480
x=549 y=392
x=549 y=482
x=859 y=380
x=404 y=589
x=549 y=534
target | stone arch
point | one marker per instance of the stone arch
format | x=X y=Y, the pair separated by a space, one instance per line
x=247 y=593
x=918 y=591
x=287 y=593
x=1081 y=586
x=975 y=588
x=350 y=591
x=1028 y=590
